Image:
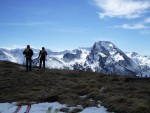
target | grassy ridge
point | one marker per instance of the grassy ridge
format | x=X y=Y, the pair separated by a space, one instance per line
x=117 y=93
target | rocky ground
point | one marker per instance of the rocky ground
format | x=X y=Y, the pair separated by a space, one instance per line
x=119 y=94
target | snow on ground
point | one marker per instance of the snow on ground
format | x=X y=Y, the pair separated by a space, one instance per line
x=42 y=108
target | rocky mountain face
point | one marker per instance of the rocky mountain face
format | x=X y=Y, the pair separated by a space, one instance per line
x=103 y=57
x=107 y=58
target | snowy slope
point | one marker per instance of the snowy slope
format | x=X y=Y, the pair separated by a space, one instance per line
x=142 y=61
x=42 y=108
x=13 y=55
x=139 y=59
x=67 y=59
x=7 y=56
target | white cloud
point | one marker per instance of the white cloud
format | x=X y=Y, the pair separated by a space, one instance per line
x=135 y=26
x=122 y=8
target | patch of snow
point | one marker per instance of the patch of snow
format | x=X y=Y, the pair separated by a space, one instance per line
x=102 y=54
x=110 y=45
x=84 y=96
x=42 y=108
x=112 y=52
x=118 y=57
x=99 y=109
x=102 y=89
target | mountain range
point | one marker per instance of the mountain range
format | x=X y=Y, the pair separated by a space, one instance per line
x=102 y=57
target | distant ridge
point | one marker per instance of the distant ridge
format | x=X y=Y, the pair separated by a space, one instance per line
x=102 y=57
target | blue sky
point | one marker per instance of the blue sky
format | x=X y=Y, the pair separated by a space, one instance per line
x=69 y=24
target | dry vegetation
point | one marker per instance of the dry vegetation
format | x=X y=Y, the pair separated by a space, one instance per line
x=117 y=93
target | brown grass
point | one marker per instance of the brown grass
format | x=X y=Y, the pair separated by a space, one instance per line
x=117 y=93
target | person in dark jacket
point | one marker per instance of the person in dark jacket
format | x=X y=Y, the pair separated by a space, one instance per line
x=42 y=56
x=28 y=54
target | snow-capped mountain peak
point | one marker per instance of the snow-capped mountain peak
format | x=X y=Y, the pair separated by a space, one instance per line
x=104 y=44
x=103 y=57
x=105 y=49
x=107 y=58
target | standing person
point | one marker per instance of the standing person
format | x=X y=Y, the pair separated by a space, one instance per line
x=28 y=54
x=42 y=56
